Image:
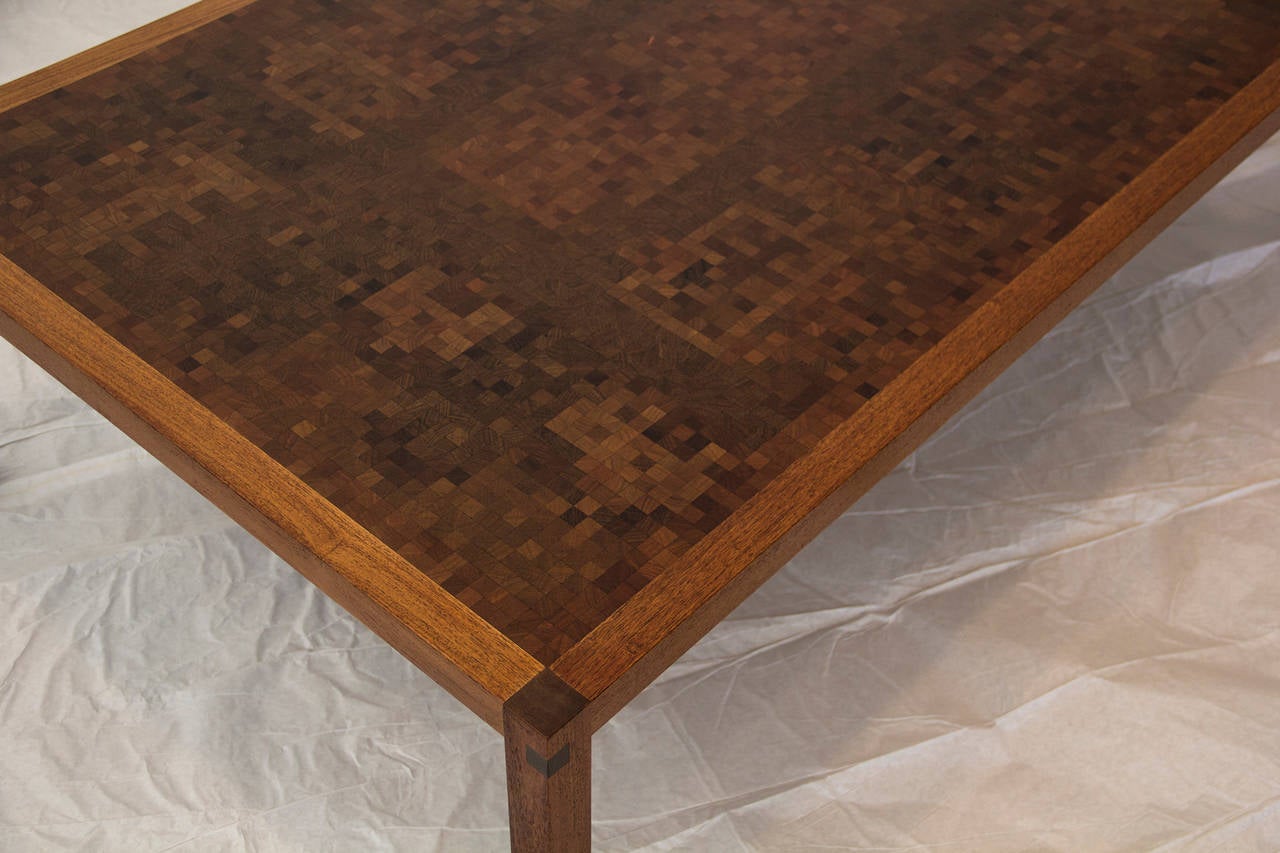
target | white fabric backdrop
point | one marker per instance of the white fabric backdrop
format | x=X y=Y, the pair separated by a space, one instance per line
x=1053 y=628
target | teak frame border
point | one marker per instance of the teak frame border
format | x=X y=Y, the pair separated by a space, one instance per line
x=547 y=714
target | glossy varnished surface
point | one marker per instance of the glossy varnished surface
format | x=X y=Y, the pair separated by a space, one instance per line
x=540 y=293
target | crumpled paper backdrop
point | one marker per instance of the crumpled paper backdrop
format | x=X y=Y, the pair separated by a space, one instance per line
x=1055 y=627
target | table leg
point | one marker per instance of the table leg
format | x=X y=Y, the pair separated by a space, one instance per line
x=548 y=768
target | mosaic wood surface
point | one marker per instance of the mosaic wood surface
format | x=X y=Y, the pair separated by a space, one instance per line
x=540 y=293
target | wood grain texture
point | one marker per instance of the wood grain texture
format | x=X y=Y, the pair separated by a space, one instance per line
x=541 y=294
x=437 y=633
x=98 y=57
x=546 y=336
x=548 y=748
x=639 y=640
x=549 y=335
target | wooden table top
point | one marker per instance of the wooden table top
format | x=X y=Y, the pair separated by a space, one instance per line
x=539 y=334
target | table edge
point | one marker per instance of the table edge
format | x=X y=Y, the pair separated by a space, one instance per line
x=447 y=640
x=649 y=631
x=42 y=81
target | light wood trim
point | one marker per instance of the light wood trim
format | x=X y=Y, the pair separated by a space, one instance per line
x=447 y=640
x=98 y=57
x=444 y=638
x=653 y=628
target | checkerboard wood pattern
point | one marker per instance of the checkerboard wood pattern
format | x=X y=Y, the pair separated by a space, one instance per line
x=541 y=292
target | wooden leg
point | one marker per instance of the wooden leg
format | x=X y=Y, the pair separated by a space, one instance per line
x=548 y=768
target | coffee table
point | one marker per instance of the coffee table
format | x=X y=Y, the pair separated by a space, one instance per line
x=539 y=335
